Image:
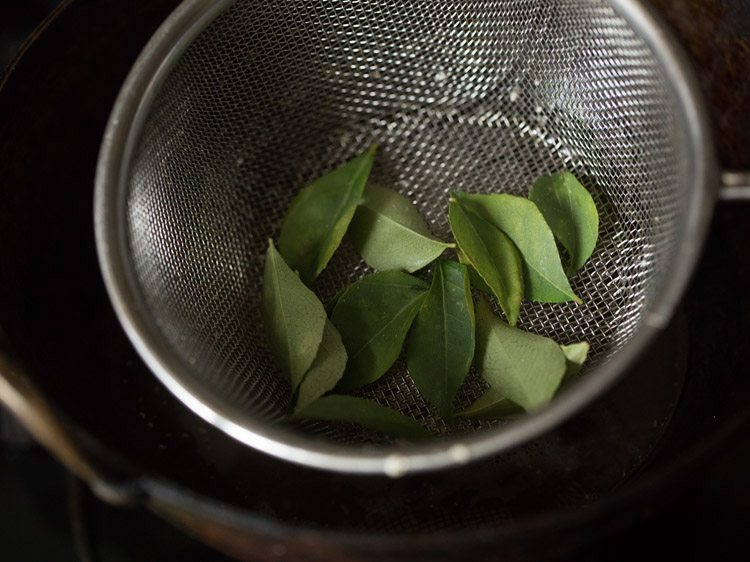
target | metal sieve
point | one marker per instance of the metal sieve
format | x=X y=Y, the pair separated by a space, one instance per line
x=236 y=105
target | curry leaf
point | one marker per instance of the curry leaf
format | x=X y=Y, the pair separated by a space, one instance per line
x=570 y=213
x=492 y=254
x=319 y=215
x=293 y=316
x=373 y=317
x=492 y=405
x=389 y=232
x=524 y=224
x=523 y=367
x=337 y=408
x=325 y=371
x=476 y=280
x=575 y=356
x=441 y=343
x=330 y=305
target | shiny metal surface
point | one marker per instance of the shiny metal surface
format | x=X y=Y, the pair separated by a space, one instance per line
x=235 y=106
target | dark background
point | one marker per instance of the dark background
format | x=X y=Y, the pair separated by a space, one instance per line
x=17 y=19
x=38 y=520
x=42 y=509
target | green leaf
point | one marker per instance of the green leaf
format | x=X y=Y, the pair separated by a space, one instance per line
x=524 y=224
x=441 y=343
x=373 y=317
x=570 y=213
x=319 y=215
x=476 y=280
x=523 y=367
x=575 y=357
x=335 y=299
x=493 y=256
x=293 y=316
x=325 y=371
x=366 y=413
x=492 y=405
x=389 y=232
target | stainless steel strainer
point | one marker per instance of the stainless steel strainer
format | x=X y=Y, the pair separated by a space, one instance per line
x=236 y=105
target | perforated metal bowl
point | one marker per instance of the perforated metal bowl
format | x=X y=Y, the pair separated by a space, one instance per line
x=236 y=105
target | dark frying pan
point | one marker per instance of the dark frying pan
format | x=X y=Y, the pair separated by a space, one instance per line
x=71 y=375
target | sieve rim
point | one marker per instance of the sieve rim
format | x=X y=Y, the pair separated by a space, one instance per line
x=123 y=130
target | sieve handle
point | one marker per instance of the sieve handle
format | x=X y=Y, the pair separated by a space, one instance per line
x=735 y=185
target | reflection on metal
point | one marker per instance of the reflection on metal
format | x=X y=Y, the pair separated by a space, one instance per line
x=735 y=186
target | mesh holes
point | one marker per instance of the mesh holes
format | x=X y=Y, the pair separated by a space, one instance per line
x=478 y=95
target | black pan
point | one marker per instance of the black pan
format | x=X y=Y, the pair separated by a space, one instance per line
x=70 y=374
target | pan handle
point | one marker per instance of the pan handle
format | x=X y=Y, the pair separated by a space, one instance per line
x=29 y=406
x=735 y=185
